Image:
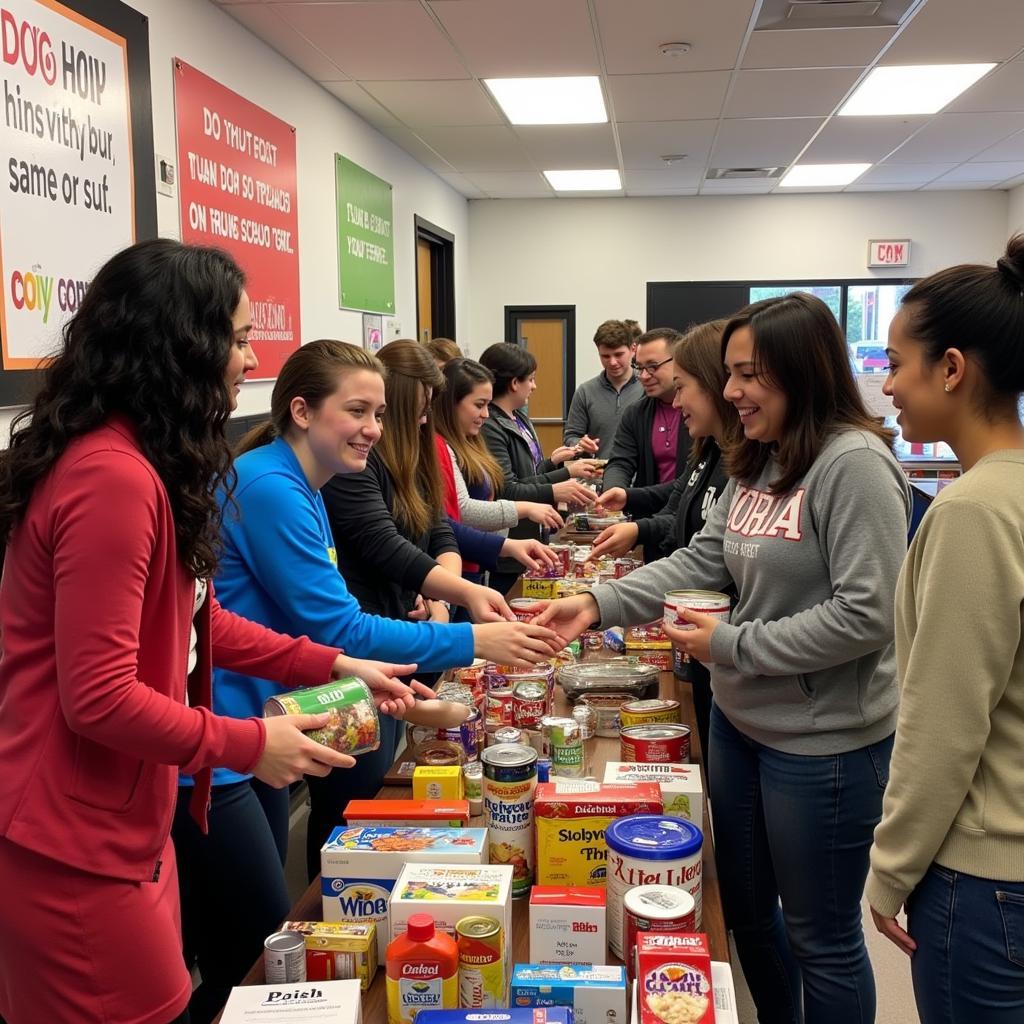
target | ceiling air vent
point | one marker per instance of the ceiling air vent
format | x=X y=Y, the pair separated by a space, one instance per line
x=737 y=173
x=800 y=14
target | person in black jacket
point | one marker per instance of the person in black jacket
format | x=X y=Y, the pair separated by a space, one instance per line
x=511 y=439
x=651 y=448
x=711 y=422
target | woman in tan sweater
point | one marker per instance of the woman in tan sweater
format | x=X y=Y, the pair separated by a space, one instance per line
x=950 y=846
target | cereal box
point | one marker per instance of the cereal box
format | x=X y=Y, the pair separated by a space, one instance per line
x=437 y=782
x=726 y=1011
x=567 y=925
x=421 y=813
x=570 y=828
x=338 y=950
x=359 y=865
x=594 y=994
x=681 y=788
x=450 y=892
x=674 y=981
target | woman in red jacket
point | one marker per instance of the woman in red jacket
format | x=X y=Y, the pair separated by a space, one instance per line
x=109 y=631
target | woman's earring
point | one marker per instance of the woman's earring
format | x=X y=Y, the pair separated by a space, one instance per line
x=948 y=389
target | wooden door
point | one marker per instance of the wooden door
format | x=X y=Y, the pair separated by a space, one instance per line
x=545 y=340
x=424 y=289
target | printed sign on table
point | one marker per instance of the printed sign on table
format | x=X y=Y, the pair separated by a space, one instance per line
x=69 y=198
x=366 y=263
x=237 y=188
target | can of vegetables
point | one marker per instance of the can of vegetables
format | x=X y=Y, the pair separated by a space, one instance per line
x=353 y=728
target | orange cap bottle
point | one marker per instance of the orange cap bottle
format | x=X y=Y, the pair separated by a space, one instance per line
x=422 y=971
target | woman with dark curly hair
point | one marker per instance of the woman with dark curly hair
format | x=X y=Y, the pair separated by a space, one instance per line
x=110 y=631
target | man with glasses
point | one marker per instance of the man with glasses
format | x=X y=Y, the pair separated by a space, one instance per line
x=651 y=447
x=599 y=402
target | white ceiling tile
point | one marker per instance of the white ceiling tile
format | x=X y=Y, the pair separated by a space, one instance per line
x=631 y=31
x=395 y=41
x=649 y=192
x=1000 y=89
x=765 y=142
x=569 y=147
x=355 y=97
x=956 y=186
x=679 y=97
x=910 y=175
x=462 y=102
x=861 y=186
x=992 y=173
x=738 y=186
x=498 y=39
x=960 y=32
x=1009 y=149
x=420 y=150
x=789 y=93
x=673 y=176
x=860 y=139
x=815 y=47
x=512 y=184
x=291 y=44
x=957 y=137
x=644 y=144
x=463 y=185
x=486 y=148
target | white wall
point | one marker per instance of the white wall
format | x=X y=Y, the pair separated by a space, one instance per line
x=1015 y=216
x=599 y=254
x=208 y=39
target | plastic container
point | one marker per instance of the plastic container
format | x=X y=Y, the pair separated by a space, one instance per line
x=422 y=971
x=616 y=675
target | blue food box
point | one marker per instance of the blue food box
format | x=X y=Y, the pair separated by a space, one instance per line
x=594 y=994
x=519 y=1015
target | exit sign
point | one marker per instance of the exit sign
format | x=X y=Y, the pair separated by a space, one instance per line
x=889 y=252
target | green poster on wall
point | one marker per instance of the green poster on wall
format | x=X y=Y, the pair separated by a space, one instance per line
x=366 y=267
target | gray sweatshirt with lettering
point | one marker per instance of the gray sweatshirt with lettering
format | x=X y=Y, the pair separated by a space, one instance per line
x=805 y=665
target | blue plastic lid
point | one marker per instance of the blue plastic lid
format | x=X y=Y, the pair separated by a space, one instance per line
x=654 y=837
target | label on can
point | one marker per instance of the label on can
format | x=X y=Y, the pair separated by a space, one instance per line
x=510 y=779
x=564 y=746
x=655 y=744
x=481 y=964
x=647 y=712
x=529 y=704
x=707 y=602
x=498 y=710
x=520 y=606
x=284 y=958
x=353 y=728
x=656 y=908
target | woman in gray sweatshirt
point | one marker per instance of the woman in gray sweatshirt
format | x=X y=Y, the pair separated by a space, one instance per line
x=811 y=531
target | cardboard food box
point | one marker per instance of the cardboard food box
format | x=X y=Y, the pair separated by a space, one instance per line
x=540 y=588
x=421 y=813
x=568 y=925
x=648 y=637
x=359 y=866
x=438 y=782
x=522 y=1015
x=726 y=1011
x=594 y=994
x=681 y=788
x=673 y=978
x=570 y=827
x=308 y=1002
x=450 y=892
x=338 y=950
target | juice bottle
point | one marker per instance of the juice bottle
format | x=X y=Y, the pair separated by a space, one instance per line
x=422 y=970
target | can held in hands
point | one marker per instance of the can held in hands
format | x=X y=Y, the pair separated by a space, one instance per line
x=284 y=958
x=707 y=602
x=481 y=966
x=354 y=727
x=519 y=606
x=510 y=779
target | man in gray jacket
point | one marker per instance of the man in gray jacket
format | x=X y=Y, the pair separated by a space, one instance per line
x=597 y=404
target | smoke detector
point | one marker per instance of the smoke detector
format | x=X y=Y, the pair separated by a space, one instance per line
x=674 y=49
x=673 y=158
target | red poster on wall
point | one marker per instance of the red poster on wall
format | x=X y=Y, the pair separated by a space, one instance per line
x=237 y=189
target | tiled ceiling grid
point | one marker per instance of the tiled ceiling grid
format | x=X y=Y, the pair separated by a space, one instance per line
x=739 y=98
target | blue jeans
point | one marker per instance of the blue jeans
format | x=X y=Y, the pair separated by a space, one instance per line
x=969 y=963
x=797 y=829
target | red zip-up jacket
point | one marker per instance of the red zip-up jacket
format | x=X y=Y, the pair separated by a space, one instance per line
x=95 y=614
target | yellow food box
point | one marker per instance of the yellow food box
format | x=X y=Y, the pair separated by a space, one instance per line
x=540 y=588
x=438 y=782
x=338 y=950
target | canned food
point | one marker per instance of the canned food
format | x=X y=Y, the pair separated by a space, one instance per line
x=707 y=602
x=574 y=585
x=473 y=780
x=465 y=736
x=284 y=958
x=607 y=708
x=650 y=849
x=510 y=778
x=498 y=710
x=519 y=606
x=564 y=743
x=564 y=554
x=353 y=728
x=529 y=704
x=593 y=639
x=624 y=566
x=481 y=965
x=655 y=743
x=508 y=734
x=647 y=712
x=655 y=908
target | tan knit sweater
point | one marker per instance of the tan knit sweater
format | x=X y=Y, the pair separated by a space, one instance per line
x=956 y=785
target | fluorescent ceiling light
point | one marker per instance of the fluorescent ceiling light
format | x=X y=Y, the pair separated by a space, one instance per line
x=584 y=181
x=917 y=89
x=821 y=175
x=550 y=100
